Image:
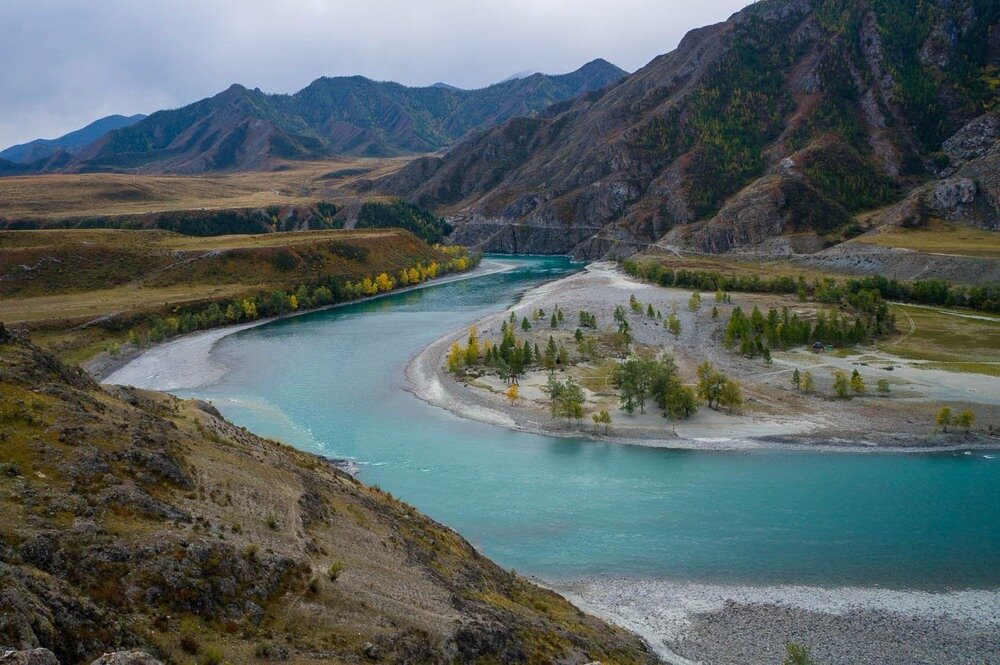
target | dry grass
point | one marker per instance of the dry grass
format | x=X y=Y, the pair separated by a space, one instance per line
x=55 y=282
x=53 y=197
x=953 y=340
x=938 y=238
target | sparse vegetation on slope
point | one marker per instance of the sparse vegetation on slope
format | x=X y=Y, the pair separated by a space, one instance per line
x=88 y=291
x=132 y=519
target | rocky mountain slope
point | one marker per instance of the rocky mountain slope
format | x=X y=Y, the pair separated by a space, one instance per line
x=241 y=129
x=792 y=117
x=72 y=142
x=135 y=520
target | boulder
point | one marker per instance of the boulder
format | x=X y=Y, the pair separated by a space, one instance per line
x=126 y=658
x=29 y=657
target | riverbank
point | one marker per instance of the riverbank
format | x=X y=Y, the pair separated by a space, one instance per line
x=775 y=415
x=688 y=622
x=195 y=347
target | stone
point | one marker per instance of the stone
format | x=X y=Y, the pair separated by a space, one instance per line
x=29 y=657
x=126 y=658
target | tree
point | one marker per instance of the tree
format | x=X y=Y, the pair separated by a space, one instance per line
x=857 y=383
x=525 y=324
x=681 y=401
x=710 y=383
x=767 y=356
x=456 y=357
x=966 y=420
x=513 y=394
x=553 y=322
x=634 y=303
x=567 y=398
x=563 y=356
x=796 y=379
x=883 y=387
x=797 y=655
x=720 y=296
x=694 y=302
x=587 y=346
x=674 y=325
x=472 y=349
x=384 y=283
x=602 y=418
x=841 y=384
x=650 y=312
x=559 y=315
x=807 y=382
x=715 y=313
x=730 y=395
x=944 y=418
x=633 y=381
x=578 y=335
x=551 y=354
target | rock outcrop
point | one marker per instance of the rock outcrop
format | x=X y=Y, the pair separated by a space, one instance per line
x=856 y=104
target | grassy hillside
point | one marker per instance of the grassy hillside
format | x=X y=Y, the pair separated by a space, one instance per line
x=132 y=519
x=88 y=291
x=73 y=199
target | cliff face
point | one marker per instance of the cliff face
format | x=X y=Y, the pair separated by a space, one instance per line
x=132 y=519
x=787 y=107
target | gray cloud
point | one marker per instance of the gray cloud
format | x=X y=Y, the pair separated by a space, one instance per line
x=67 y=62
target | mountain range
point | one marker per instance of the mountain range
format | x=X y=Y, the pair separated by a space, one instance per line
x=242 y=129
x=775 y=130
x=32 y=151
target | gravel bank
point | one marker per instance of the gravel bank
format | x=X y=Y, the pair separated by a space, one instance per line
x=688 y=622
x=775 y=415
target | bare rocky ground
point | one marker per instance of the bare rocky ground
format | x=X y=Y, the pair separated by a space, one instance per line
x=775 y=413
x=689 y=622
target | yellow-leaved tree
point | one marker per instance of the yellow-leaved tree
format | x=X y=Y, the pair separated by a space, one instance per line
x=513 y=394
x=384 y=283
x=456 y=357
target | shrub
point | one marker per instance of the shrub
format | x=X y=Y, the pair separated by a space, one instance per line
x=334 y=571
x=190 y=643
x=212 y=656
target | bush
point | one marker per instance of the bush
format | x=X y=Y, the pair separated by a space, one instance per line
x=212 y=656
x=190 y=644
x=336 y=568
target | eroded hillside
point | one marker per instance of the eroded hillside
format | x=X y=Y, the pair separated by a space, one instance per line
x=133 y=519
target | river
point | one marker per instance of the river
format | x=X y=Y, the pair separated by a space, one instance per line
x=332 y=382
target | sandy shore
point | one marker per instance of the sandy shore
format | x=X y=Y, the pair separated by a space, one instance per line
x=689 y=622
x=775 y=416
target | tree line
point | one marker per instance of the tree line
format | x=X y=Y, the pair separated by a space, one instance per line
x=848 y=291
x=325 y=291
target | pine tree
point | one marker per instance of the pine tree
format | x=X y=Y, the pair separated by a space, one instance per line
x=796 y=379
x=857 y=383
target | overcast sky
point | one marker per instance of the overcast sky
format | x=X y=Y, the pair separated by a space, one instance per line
x=68 y=62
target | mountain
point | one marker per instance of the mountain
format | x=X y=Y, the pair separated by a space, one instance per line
x=241 y=129
x=791 y=117
x=135 y=520
x=33 y=151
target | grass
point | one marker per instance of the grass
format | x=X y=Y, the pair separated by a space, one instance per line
x=939 y=237
x=75 y=278
x=52 y=197
x=949 y=339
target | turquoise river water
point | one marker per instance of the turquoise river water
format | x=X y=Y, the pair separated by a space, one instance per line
x=332 y=382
